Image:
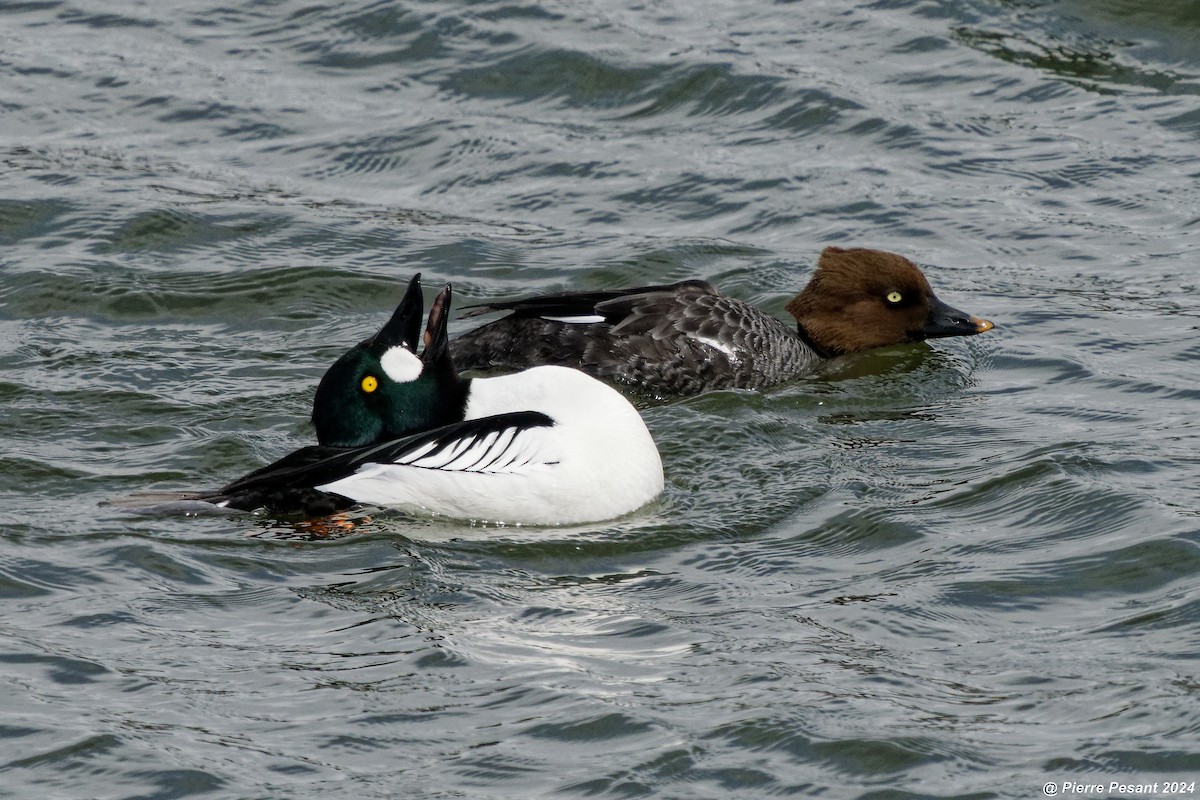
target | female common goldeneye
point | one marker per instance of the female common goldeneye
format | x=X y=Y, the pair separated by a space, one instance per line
x=686 y=338
x=546 y=446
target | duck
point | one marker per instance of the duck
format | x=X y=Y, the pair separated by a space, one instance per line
x=545 y=446
x=686 y=338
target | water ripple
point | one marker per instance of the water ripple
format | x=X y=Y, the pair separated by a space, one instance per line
x=959 y=568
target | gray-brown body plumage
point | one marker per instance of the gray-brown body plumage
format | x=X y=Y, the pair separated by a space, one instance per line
x=679 y=339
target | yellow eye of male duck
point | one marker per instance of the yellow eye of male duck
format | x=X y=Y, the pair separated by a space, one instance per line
x=894 y=297
x=370 y=384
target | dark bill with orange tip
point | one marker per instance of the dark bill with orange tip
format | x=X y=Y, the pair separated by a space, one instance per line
x=945 y=320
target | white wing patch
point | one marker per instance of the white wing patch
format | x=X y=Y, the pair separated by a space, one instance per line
x=498 y=452
x=577 y=319
x=401 y=365
x=714 y=344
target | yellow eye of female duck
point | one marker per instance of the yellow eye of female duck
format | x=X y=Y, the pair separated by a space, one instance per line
x=894 y=297
x=370 y=384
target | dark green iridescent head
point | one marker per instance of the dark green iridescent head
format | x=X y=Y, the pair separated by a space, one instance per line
x=382 y=390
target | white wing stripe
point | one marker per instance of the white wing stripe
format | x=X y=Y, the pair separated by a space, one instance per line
x=503 y=440
x=504 y=451
x=472 y=455
x=442 y=454
x=575 y=319
x=518 y=453
x=423 y=450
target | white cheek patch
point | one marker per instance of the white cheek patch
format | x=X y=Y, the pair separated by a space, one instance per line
x=401 y=365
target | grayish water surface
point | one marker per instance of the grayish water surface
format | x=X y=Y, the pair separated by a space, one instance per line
x=963 y=569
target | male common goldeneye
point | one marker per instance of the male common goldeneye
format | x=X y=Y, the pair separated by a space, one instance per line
x=686 y=338
x=546 y=446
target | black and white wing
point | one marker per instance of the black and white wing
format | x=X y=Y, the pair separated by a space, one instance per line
x=497 y=468
x=495 y=444
x=290 y=485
